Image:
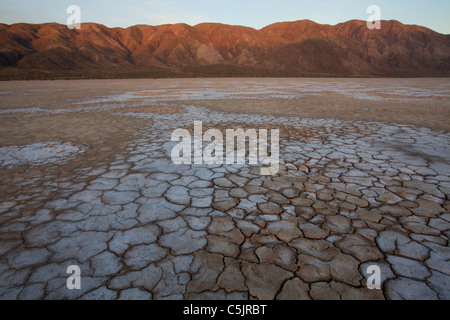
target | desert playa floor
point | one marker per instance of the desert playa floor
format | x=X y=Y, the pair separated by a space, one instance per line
x=86 y=179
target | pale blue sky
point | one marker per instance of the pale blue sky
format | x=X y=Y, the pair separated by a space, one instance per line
x=433 y=14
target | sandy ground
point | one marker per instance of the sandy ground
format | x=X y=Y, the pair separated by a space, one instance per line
x=86 y=179
x=420 y=102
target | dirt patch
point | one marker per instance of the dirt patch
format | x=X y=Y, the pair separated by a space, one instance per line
x=160 y=109
x=431 y=114
x=103 y=135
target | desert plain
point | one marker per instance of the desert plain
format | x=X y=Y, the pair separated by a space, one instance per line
x=86 y=179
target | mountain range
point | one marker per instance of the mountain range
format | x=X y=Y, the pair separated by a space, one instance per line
x=299 y=48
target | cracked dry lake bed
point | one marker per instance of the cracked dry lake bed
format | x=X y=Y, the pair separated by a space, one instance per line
x=86 y=179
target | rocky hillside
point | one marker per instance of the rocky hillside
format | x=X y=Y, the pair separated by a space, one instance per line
x=282 y=49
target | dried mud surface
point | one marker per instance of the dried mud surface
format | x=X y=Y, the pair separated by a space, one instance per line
x=87 y=179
